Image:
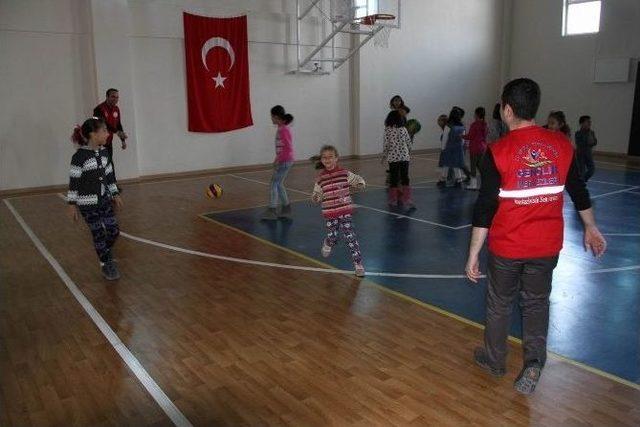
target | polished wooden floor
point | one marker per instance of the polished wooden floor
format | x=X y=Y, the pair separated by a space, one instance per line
x=234 y=344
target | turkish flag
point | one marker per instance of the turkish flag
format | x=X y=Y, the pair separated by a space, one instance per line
x=216 y=51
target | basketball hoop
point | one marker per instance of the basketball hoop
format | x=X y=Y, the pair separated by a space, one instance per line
x=381 y=37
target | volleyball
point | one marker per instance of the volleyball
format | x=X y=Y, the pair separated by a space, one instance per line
x=214 y=191
x=413 y=126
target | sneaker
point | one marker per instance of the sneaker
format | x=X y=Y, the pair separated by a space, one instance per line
x=528 y=378
x=269 y=215
x=285 y=212
x=110 y=271
x=441 y=184
x=326 y=249
x=482 y=360
x=359 y=269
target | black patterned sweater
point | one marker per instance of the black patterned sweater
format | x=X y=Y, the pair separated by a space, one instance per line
x=91 y=177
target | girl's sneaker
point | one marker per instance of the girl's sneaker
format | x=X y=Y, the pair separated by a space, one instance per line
x=359 y=269
x=326 y=249
x=270 y=215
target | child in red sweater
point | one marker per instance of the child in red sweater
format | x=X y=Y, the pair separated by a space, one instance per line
x=333 y=188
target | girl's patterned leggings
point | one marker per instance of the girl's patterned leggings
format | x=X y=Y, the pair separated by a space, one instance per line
x=345 y=225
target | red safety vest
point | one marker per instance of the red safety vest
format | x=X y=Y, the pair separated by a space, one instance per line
x=533 y=164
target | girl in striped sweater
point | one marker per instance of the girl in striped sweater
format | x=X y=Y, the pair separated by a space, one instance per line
x=333 y=188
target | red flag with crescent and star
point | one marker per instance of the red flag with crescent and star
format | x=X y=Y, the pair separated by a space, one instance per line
x=216 y=52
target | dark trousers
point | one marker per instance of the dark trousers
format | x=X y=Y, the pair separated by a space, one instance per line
x=586 y=167
x=103 y=225
x=475 y=163
x=398 y=174
x=531 y=279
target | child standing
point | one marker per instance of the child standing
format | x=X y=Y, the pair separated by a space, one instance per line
x=332 y=188
x=281 y=165
x=585 y=141
x=453 y=154
x=557 y=121
x=477 y=138
x=93 y=191
x=396 y=151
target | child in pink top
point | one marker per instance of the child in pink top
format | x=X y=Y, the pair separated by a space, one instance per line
x=281 y=165
x=477 y=138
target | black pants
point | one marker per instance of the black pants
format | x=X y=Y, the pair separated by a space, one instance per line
x=398 y=174
x=531 y=278
x=103 y=225
x=586 y=167
x=476 y=159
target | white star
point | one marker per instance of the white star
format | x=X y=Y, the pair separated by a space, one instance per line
x=219 y=80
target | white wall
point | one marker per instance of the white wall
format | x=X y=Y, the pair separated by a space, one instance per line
x=447 y=53
x=564 y=66
x=48 y=82
x=46 y=86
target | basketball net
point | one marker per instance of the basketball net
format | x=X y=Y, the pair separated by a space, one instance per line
x=381 y=37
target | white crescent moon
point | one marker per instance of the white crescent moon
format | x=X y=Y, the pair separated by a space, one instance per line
x=217 y=42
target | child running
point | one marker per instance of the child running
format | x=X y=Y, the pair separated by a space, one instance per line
x=281 y=166
x=332 y=188
x=93 y=191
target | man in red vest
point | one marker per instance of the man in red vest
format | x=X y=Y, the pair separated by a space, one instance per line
x=110 y=113
x=519 y=208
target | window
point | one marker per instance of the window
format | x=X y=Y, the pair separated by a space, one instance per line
x=581 y=17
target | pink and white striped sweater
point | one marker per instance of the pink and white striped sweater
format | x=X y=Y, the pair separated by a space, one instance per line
x=333 y=188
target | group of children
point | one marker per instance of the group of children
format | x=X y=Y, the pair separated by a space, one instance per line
x=93 y=191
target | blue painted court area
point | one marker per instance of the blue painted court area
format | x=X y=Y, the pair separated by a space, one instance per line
x=595 y=314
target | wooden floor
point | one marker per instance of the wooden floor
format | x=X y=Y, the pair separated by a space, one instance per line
x=234 y=344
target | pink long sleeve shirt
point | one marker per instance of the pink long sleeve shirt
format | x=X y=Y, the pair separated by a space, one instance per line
x=284 y=144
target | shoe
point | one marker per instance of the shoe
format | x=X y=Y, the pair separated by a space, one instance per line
x=393 y=197
x=441 y=184
x=528 y=378
x=269 y=215
x=110 y=271
x=326 y=249
x=473 y=184
x=481 y=359
x=359 y=269
x=285 y=212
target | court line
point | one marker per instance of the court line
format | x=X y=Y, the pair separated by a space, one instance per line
x=433 y=308
x=611 y=183
x=169 y=408
x=285 y=266
x=395 y=214
x=618 y=164
x=625 y=190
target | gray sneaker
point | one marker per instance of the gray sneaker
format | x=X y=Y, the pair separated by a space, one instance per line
x=528 y=378
x=110 y=271
x=269 y=215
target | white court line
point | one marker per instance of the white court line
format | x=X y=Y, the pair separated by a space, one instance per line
x=134 y=365
x=286 y=266
x=397 y=215
x=614 y=192
x=611 y=183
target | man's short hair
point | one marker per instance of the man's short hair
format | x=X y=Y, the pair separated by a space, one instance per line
x=111 y=90
x=584 y=119
x=523 y=96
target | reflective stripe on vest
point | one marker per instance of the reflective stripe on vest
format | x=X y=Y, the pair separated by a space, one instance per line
x=530 y=192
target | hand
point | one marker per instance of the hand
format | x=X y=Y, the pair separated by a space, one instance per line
x=117 y=200
x=594 y=240
x=473 y=268
x=124 y=145
x=72 y=210
x=122 y=135
x=317 y=198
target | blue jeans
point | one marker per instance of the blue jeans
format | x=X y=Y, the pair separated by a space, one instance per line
x=278 y=191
